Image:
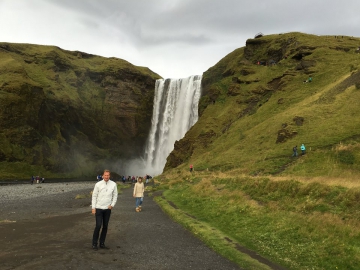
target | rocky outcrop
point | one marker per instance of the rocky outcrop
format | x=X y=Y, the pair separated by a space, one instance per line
x=69 y=112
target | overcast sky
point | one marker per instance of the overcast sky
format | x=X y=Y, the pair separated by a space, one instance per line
x=174 y=38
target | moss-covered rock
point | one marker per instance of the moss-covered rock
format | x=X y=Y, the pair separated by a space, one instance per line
x=67 y=112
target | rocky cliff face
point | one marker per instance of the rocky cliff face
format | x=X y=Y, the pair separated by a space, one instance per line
x=69 y=112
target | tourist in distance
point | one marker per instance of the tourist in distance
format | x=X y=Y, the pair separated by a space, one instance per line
x=303 y=149
x=295 y=151
x=148 y=177
x=104 y=198
x=138 y=194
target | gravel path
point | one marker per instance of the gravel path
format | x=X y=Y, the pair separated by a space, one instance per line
x=28 y=191
x=53 y=230
x=28 y=202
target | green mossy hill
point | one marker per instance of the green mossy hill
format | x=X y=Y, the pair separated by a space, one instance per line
x=256 y=106
x=65 y=112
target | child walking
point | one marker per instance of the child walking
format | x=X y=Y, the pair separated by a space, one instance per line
x=138 y=194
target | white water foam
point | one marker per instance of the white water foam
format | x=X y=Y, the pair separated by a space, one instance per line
x=175 y=111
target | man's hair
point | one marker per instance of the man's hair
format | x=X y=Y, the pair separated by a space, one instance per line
x=106 y=171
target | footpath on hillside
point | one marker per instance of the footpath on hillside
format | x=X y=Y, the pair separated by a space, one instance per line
x=54 y=232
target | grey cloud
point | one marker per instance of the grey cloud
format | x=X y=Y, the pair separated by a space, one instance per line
x=143 y=29
x=183 y=38
x=198 y=22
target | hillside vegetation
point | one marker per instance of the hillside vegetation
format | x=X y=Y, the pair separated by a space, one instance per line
x=253 y=115
x=299 y=212
x=65 y=113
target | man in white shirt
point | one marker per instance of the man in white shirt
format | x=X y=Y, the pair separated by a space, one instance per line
x=104 y=198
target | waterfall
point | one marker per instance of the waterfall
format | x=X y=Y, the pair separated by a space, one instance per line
x=175 y=111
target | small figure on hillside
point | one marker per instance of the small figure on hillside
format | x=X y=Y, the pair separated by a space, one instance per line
x=191 y=168
x=138 y=194
x=303 y=149
x=309 y=80
x=148 y=177
x=295 y=151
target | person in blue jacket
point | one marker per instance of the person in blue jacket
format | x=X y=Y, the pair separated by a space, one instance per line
x=303 y=149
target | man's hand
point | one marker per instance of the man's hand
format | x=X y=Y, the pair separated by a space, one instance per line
x=93 y=211
x=110 y=207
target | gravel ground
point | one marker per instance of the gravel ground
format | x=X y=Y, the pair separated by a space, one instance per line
x=48 y=228
x=26 y=201
x=27 y=191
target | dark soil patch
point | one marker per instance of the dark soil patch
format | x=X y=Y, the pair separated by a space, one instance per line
x=256 y=256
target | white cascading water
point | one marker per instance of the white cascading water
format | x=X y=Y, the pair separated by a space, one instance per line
x=175 y=111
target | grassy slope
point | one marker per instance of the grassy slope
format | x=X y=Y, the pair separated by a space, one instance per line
x=295 y=224
x=248 y=143
x=306 y=215
x=41 y=71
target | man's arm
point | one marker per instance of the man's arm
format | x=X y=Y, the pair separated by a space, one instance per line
x=114 y=196
x=94 y=199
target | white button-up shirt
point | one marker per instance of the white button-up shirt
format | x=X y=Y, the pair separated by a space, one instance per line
x=104 y=194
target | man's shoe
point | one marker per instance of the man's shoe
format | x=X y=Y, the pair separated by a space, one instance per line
x=103 y=246
x=94 y=247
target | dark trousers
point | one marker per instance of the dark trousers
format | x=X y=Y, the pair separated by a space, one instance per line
x=102 y=219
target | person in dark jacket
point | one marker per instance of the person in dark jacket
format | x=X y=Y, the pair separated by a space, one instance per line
x=295 y=151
